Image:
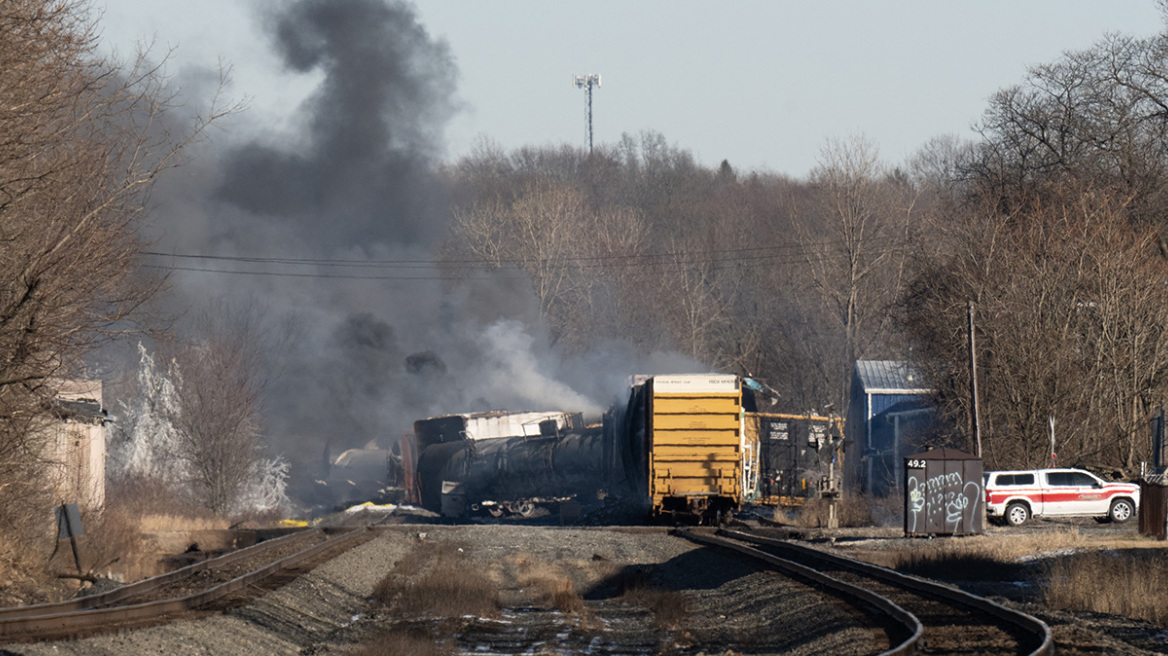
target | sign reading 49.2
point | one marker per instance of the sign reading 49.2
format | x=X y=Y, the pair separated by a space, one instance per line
x=915 y=463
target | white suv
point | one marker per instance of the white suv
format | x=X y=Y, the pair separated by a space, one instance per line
x=1012 y=497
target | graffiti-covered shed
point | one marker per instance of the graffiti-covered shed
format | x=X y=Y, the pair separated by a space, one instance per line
x=943 y=493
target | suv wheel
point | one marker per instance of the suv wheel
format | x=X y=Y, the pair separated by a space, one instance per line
x=1121 y=511
x=1017 y=514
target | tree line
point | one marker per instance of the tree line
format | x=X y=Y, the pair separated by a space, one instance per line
x=1050 y=222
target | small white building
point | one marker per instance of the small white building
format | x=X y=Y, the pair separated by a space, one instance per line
x=75 y=444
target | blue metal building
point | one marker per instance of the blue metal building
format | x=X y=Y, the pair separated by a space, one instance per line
x=888 y=410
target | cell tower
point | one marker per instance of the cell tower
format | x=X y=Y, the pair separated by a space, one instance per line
x=586 y=82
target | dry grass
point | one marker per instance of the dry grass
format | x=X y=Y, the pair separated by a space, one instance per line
x=558 y=594
x=669 y=607
x=1080 y=571
x=850 y=511
x=403 y=642
x=1132 y=583
x=988 y=555
x=551 y=584
x=438 y=581
x=168 y=523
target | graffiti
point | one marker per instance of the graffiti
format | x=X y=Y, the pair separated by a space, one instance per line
x=916 y=499
x=942 y=503
x=943 y=481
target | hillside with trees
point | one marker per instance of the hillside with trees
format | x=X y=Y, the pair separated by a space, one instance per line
x=1050 y=222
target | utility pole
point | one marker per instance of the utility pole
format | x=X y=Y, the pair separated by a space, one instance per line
x=586 y=82
x=974 y=419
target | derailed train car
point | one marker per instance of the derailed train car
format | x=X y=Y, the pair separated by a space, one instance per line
x=508 y=462
x=512 y=475
x=682 y=445
x=793 y=455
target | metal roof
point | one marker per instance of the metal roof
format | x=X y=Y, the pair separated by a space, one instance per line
x=890 y=377
x=945 y=453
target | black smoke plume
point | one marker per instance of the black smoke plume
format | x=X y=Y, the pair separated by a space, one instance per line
x=361 y=352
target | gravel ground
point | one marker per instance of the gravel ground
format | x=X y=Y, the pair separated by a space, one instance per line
x=1075 y=632
x=726 y=607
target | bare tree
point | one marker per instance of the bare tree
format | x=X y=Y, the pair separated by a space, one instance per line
x=549 y=231
x=1096 y=114
x=1070 y=318
x=853 y=234
x=219 y=378
x=81 y=142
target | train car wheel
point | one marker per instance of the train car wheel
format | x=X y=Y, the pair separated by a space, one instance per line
x=524 y=508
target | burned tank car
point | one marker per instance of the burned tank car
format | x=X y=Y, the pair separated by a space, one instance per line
x=512 y=462
x=512 y=474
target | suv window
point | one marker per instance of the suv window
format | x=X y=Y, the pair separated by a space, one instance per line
x=1015 y=479
x=1078 y=479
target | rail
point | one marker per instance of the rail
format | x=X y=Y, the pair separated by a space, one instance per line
x=88 y=614
x=911 y=628
x=148 y=585
x=1027 y=624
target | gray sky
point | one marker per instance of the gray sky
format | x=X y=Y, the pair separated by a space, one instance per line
x=761 y=83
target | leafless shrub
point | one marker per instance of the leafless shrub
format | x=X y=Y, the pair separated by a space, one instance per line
x=148 y=497
x=111 y=536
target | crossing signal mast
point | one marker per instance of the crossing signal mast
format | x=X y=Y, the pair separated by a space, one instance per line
x=586 y=82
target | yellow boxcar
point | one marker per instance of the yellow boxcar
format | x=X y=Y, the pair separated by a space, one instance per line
x=695 y=444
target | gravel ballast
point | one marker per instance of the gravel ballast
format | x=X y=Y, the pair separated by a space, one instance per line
x=721 y=603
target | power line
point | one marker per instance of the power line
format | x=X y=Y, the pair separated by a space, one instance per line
x=717 y=260
x=756 y=252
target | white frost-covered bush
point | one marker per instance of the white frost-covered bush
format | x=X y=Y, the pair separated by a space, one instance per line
x=148 y=445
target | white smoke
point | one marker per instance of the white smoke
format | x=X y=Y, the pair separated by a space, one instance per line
x=512 y=367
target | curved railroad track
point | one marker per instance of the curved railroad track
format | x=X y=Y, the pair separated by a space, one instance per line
x=209 y=585
x=919 y=616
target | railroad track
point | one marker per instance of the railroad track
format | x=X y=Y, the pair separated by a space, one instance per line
x=208 y=585
x=919 y=616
